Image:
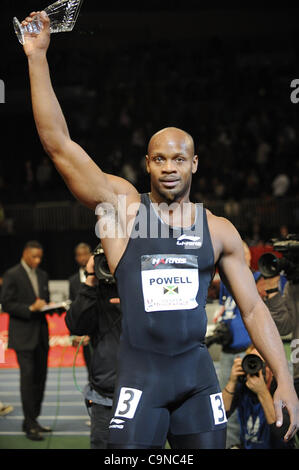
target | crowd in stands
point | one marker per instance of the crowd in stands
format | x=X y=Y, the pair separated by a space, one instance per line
x=234 y=101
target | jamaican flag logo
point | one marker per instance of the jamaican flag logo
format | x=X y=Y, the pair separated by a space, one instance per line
x=170 y=290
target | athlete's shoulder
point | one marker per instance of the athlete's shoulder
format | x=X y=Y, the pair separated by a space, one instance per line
x=225 y=237
x=219 y=222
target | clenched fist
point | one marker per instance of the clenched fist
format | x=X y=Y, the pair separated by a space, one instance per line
x=37 y=43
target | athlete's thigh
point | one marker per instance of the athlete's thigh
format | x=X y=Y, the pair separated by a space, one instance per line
x=203 y=440
x=137 y=422
x=202 y=412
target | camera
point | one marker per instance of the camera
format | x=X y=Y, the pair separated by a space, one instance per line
x=270 y=265
x=101 y=267
x=252 y=364
x=221 y=335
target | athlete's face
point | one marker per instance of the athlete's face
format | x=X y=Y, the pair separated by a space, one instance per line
x=171 y=163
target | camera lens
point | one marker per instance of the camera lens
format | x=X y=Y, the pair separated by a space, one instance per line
x=268 y=265
x=251 y=364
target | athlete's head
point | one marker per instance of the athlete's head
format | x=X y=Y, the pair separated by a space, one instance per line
x=170 y=161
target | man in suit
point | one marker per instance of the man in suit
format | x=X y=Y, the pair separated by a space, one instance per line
x=24 y=293
x=82 y=255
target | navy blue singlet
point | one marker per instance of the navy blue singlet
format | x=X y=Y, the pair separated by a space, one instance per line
x=166 y=379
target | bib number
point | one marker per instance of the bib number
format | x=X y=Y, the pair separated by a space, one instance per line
x=218 y=408
x=127 y=402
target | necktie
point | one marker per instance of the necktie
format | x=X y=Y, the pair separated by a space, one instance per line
x=34 y=281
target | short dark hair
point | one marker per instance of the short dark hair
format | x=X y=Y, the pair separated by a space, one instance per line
x=82 y=245
x=33 y=244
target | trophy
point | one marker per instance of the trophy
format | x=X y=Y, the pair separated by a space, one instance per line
x=63 y=15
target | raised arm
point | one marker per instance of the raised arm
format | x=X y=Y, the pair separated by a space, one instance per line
x=84 y=178
x=257 y=319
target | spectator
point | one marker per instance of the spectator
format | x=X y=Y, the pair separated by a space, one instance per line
x=24 y=294
x=280 y=184
x=44 y=173
x=82 y=255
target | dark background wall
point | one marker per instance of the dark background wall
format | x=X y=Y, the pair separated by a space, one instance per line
x=220 y=70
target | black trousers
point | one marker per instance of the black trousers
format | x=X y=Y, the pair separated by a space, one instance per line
x=100 y=418
x=33 y=373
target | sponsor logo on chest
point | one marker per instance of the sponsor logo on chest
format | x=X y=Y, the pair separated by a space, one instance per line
x=189 y=241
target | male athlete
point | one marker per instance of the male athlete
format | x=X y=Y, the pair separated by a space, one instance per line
x=162 y=250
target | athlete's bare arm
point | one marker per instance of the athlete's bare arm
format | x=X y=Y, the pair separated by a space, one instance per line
x=233 y=269
x=88 y=183
x=83 y=177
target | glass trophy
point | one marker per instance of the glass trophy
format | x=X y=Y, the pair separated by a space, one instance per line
x=62 y=14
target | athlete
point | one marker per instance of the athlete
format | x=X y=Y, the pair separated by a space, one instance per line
x=162 y=249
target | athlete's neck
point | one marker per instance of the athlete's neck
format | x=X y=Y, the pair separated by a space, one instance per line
x=175 y=213
x=159 y=199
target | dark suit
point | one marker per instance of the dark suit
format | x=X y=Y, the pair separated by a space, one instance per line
x=28 y=335
x=75 y=284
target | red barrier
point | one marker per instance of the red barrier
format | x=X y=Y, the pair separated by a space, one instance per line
x=61 y=352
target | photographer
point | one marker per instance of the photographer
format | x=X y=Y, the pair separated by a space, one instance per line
x=287 y=306
x=249 y=390
x=284 y=308
x=95 y=312
x=231 y=333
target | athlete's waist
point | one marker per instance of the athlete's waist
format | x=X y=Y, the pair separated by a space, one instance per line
x=157 y=354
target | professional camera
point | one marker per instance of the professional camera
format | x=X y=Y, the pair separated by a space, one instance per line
x=270 y=265
x=221 y=335
x=251 y=364
x=101 y=267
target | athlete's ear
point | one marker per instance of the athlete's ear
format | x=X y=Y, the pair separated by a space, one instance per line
x=194 y=164
x=147 y=163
